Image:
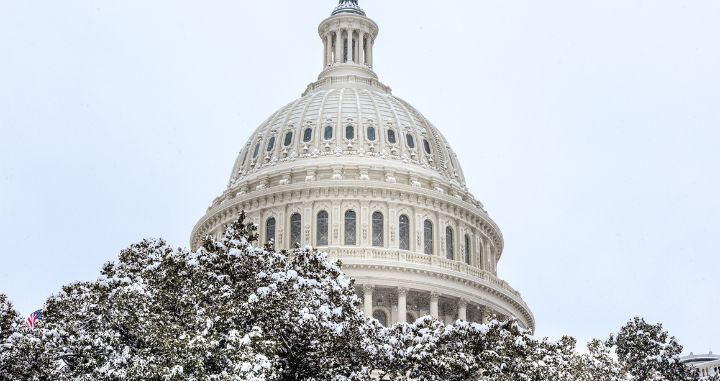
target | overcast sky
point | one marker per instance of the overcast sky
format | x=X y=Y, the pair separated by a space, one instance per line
x=589 y=129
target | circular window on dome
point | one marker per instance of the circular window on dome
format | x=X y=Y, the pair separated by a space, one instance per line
x=349 y=132
x=426 y=144
x=288 y=139
x=371 y=134
x=257 y=150
x=410 y=141
x=392 y=139
x=307 y=135
x=328 y=134
x=271 y=144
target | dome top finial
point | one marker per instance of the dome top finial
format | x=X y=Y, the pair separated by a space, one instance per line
x=348 y=6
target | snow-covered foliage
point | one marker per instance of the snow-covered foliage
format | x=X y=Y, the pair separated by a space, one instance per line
x=229 y=311
x=234 y=311
x=501 y=350
x=647 y=352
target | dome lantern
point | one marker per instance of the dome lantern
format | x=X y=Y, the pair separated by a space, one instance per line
x=348 y=37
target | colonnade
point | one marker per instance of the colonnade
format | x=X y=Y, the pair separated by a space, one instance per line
x=348 y=46
x=393 y=306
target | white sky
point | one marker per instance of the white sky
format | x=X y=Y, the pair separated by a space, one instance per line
x=589 y=129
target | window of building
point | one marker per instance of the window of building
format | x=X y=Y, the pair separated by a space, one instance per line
x=428 y=235
x=468 y=249
x=271 y=144
x=257 y=150
x=391 y=136
x=410 y=141
x=404 y=230
x=288 y=139
x=295 y=229
x=322 y=228
x=307 y=135
x=449 y=243
x=381 y=317
x=328 y=134
x=270 y=230
x=426 y=144
x=371 y=134
x=378 y=230
x=350 y=228
x=349 y=132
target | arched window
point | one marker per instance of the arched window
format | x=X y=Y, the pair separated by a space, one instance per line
x=322 y=228
x=404 y=230
x=428 y=235
x=449 y=243
x=295 y=229
x=307 y=135
x=288 y=138
x=410 y=141
x=328 y=134
x=271 y=144
x=371 y=133
x=349 y=132
x=350 y=228
x=391 y=136
x=381 y=317
x=270 y=230
x=426 y=144
x=468 y=249
x=378 y=230
x=257 y=150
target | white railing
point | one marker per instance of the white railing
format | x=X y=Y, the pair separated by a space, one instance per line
x=408 y=257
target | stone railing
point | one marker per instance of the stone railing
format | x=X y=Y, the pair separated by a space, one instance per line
x=347 y=79
x=408 y=257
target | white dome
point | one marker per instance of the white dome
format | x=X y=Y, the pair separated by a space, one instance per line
x=363 y=123
x=362 y=175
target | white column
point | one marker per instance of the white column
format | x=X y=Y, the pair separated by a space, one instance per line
x=348 y=41
x=370 y=51
x=325 y=50
x=434 y=310
x=361 y=59
x=356 y=49
x=462 y=309
x=328 y=50
x=367 y=299
x=402 y=305
x=338 y=46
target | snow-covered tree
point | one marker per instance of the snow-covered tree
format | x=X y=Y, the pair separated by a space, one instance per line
x=501 y=350
x=648 y=353
x=229 y=311
x=234 y=311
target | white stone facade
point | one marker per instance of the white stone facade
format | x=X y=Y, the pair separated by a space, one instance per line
x=707 y=364
x=356 y=172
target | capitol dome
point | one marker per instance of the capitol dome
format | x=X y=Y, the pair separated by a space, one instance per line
x=361 y=174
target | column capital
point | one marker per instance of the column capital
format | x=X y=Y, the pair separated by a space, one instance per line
x=462 y=302
x=434 y=296
x=402 y=291
x=368 y=287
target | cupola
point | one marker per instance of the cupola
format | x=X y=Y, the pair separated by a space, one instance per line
x=348 y=38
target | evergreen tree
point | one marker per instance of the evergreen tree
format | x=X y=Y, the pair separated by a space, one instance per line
x=648 y=353
x=229 y=311
x=234 y=311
